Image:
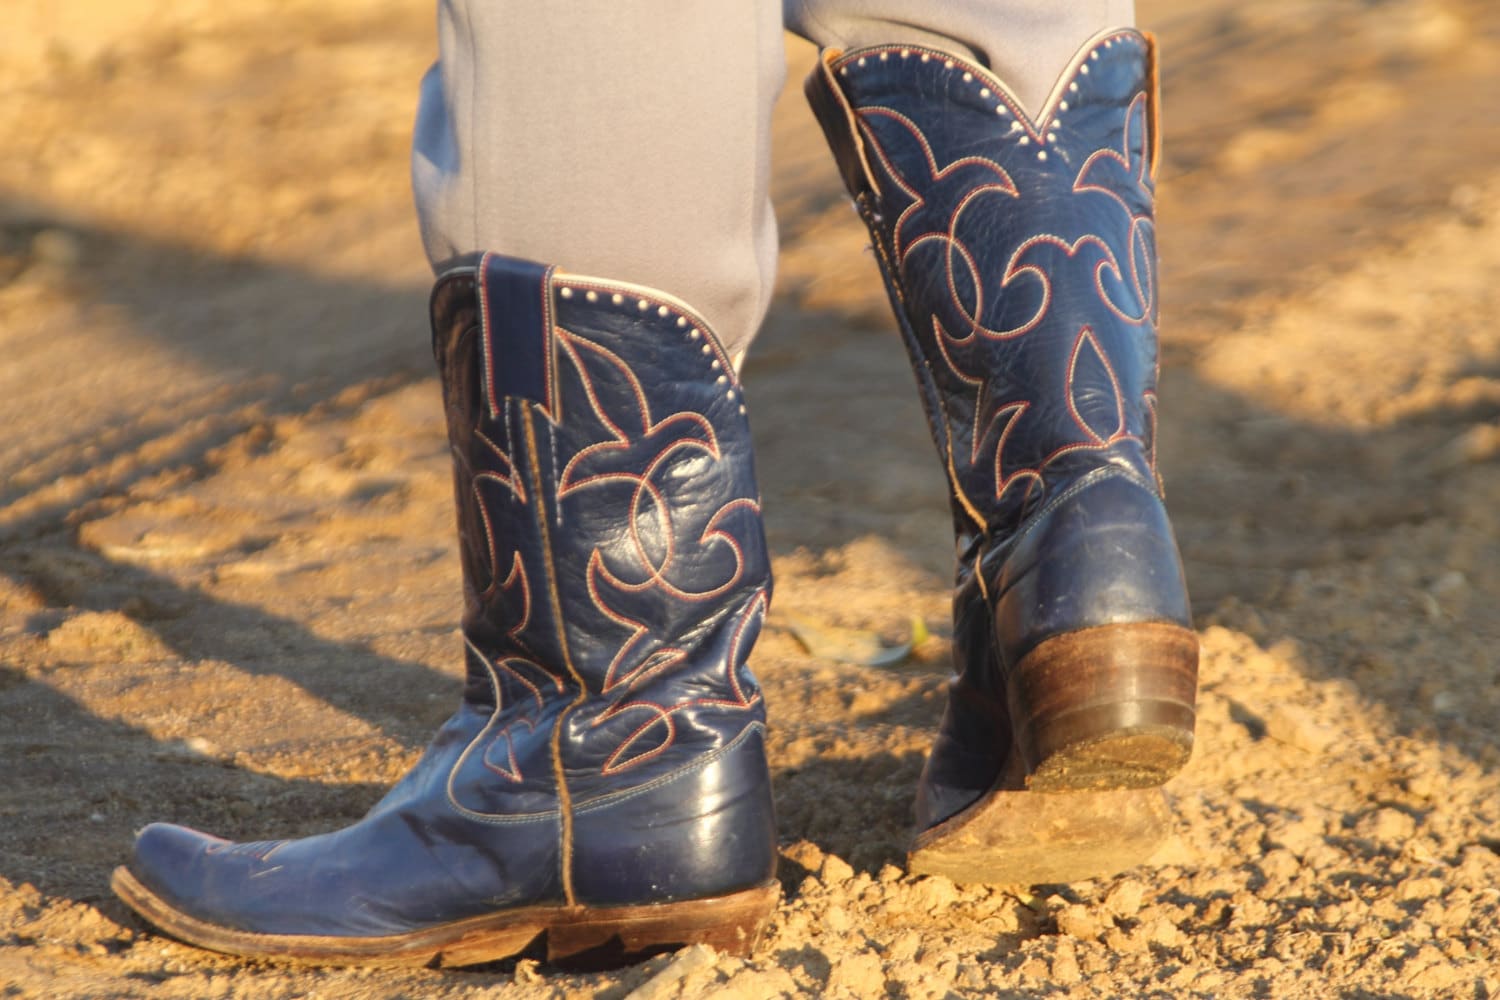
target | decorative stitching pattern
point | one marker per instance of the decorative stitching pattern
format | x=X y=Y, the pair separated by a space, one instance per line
x=1039 y=342
x=747 y=627
x=664 y=525
x=680 y=550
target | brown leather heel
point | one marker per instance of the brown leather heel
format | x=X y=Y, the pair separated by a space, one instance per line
x=1108 y=707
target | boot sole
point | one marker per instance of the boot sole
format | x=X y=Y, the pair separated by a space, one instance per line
x=1033 y=838
x=575 y=936
x=1107 y=708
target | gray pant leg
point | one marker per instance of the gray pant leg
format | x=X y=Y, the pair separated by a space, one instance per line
x=628 y=140
x=1027 y=43
x=632 y=141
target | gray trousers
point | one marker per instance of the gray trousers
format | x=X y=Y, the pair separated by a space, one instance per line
x=630 y=139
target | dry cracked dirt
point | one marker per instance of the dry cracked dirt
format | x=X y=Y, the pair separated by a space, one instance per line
x=229 y=584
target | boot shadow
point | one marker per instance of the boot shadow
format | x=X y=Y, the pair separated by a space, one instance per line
x=91 y=782
x=857 y=809
x=172 y=293
x=251 y=328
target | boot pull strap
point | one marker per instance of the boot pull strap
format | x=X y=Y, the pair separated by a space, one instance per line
x=515 y=322
x=832 y=109
x=1153 y=100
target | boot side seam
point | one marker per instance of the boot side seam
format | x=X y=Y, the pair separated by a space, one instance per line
x=564 y=800
x=926 y=380
x=1087 y=481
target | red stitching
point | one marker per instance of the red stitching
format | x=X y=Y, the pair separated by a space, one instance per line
x=1086 y=335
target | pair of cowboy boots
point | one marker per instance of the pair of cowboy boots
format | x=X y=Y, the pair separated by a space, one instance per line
x=603 y=785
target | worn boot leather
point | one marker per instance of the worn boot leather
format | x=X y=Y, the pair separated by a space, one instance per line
x=1019 y=255
x=603 y=782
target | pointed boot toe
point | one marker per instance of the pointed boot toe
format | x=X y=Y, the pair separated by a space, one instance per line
x=166 y=864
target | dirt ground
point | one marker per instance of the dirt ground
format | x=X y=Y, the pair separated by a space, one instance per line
x=228 y=576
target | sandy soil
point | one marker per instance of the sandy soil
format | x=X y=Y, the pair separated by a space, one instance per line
x=228 y=582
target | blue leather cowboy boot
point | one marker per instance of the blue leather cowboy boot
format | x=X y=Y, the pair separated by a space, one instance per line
x=1019 y=254
x=603 y=782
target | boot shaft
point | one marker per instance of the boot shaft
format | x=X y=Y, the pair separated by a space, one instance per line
x=1020 y=258
x=615 y=569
